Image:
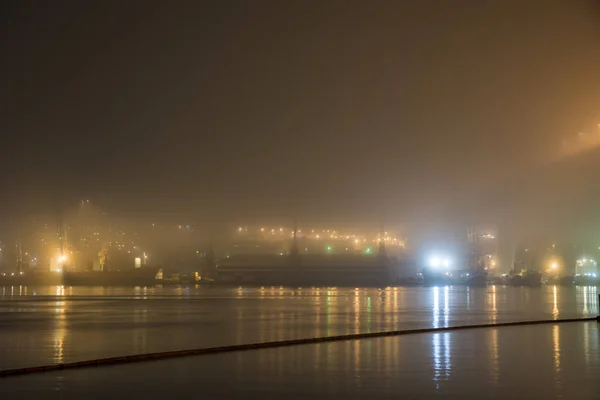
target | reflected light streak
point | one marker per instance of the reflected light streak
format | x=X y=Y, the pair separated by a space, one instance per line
x=446 y=307
x=437 y=359
x=395 y=309
x=556 y=352
x=447 y=359
x=59 y=332
x=328 y=314
x=441 y=357
x=494 y=309
x=436 y=307
x=317 y=301
x=356 y=313
x=555 y=312
x=590 y=299
x=495 y=357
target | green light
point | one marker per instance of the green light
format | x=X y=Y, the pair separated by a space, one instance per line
x=368 y=250
x=329 y=249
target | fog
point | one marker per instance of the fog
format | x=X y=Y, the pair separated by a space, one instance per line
x=422 y=114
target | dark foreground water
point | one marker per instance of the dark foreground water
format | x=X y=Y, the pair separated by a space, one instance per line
x=533 y=362
x=53 y=325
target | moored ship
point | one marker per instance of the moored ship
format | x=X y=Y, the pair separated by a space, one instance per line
x=143 y=276
x=525 y=278
x=340 y=270
x=294 y=269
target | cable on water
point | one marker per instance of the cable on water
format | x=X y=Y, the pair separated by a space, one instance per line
x=265 y=345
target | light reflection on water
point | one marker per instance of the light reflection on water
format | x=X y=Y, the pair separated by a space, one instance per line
x=494 y=309
x=495 y=354
x=441 y=356
x=450 y=364
x=556 y=355
x=65 y=324
x=436 y=307
x=588 y=295
x=59 y=332
x=446 y=307
x=555 y=312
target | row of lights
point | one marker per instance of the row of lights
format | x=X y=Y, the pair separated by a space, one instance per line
x=326 y=233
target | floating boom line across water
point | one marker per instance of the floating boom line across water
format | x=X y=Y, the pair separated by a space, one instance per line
x=136 y=358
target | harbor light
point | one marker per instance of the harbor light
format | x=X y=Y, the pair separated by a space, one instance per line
x=437 y=262
x=434 y=262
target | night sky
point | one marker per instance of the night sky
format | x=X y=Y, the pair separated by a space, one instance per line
x=412 y=111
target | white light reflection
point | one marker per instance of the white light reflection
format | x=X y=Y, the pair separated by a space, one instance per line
x=447 y=361
x=436 y=307
x=446 y=307
x=437 y=358
x=441 y=357
x=590 y=300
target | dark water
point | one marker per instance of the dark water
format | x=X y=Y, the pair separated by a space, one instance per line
x=50 y=325
x=533 y=362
